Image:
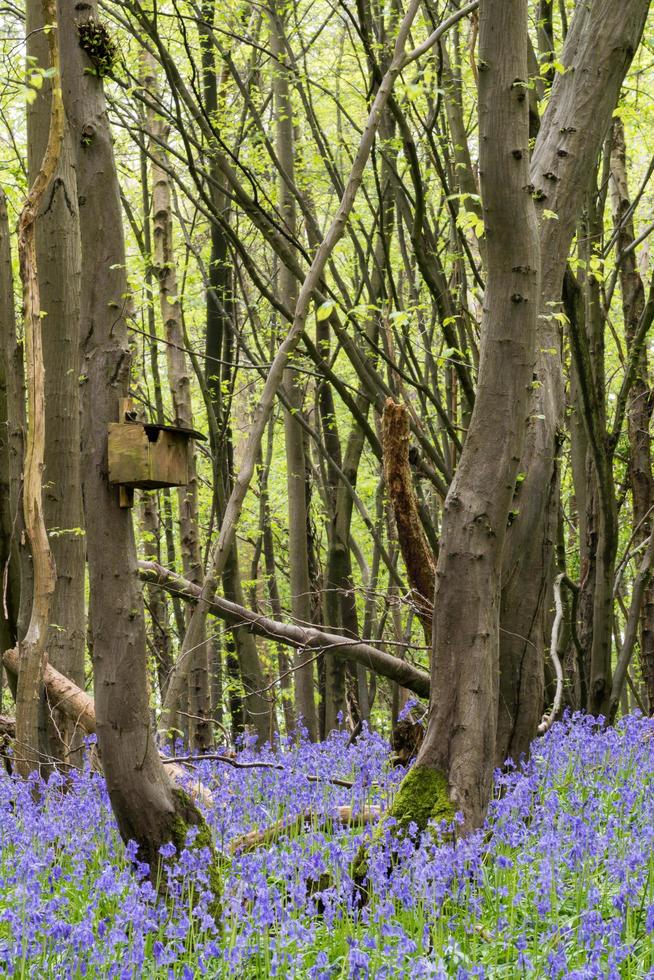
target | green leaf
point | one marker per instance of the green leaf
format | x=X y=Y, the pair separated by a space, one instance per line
x=325 y=310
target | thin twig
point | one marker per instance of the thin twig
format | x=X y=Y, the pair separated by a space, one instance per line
x=237 y=764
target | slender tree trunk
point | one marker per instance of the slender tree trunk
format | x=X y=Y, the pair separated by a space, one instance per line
x=584 y=504
x=58 y=260
x=165 y=268
x=219 y=349
x=12 y=421
x=641 y=583
x=340 y=600
x=268 y=547
x=32 y=647
x=158 y=520
x=331 y=675
x=147 y=807
x=159 y=632
x=455 y=764
x=588 y=353
x=639 y=411
x=298 y=553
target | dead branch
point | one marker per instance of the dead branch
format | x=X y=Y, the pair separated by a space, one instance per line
x=300 y=637
x=346 y=816
x=550 y=717
x=79 y=706
x=416 y=552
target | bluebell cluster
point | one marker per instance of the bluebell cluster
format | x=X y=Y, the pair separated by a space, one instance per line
x=558 y=883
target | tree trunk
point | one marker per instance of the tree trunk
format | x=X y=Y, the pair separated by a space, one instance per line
x=268 y=547
x=32 y=647
x=598 y=50
x=639 y=410
x=298 y=552
x=163 y=260
x=12 y=419
x=59 y=267
x=587 y=343
x=147 y=807
x=419 y=559
x=454 y=768
x=155 y=602
x=219 y=368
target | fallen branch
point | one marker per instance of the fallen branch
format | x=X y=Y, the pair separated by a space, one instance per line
x=346 y=816
x=79 y=706
x=290 y=634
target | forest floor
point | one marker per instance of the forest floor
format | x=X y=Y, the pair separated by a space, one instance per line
x=560 y=882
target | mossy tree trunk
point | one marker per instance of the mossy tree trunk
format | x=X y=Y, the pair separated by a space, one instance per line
x=454 y=768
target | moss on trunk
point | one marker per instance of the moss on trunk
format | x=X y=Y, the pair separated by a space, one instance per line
x=423 y=796
x=187 y=815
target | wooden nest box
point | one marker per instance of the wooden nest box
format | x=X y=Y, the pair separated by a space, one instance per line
x=147 y=456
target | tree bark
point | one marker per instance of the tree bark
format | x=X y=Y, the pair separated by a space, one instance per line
x=639 y=409
x=298 y=552
x=16 y=567
x=268 y=548
x=418 y=557
x=59 y=268
x=641 y=584
x=598 y=50
x=456 y=760
x=155 y=602
x=587 y=344
x=31 y=648
x=147 y=807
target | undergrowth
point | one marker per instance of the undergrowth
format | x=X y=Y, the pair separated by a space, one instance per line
x=559 y=883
